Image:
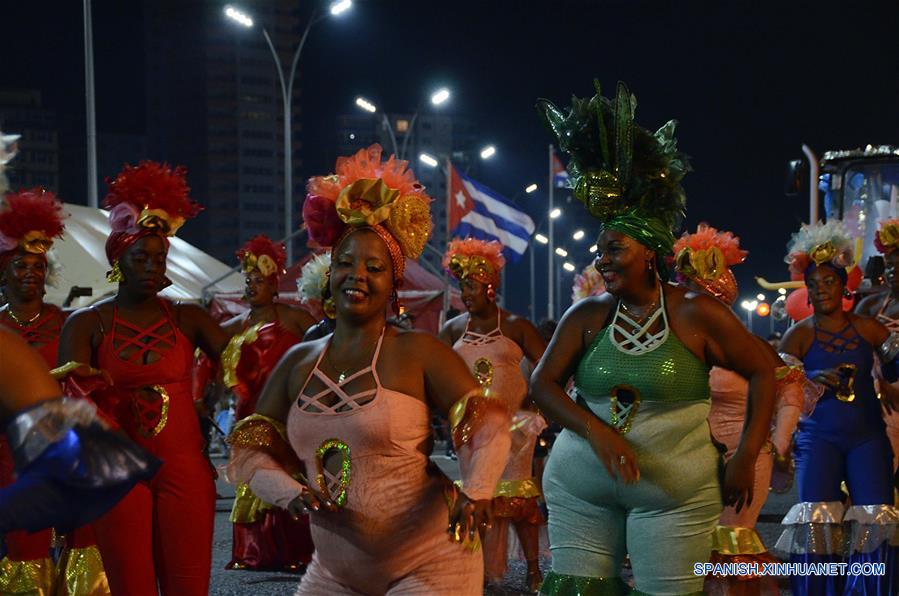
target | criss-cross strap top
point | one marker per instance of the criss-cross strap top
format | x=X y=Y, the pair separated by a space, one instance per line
x=636 y=338
x=365 y=381
x=157 y=339
x=882 y=316
x=43 y=330
x=473 y=338
x=846 y=339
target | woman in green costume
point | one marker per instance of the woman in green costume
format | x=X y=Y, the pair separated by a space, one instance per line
x=635 y=471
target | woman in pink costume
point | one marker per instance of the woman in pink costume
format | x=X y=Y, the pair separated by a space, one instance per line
x=885 y=307
x=703 y=262
x=263 y=537
x=354 y=407
x=493 y=343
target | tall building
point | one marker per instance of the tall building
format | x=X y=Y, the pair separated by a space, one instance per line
x=443 y=137
x=215 y=105
x=37 y=163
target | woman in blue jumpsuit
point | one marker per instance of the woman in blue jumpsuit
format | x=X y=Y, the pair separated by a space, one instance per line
x=844 y=438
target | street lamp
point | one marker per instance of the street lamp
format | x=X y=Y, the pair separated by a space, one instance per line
x=749 y=306
x=246 y=20
x=578 y=235
x=555 y=213
x=488 y=152
x=530 y=188
x=561 y=252
x=593 y=248
x=541 y=239
x=568 y=266
x=428 y=160
x=439 y=97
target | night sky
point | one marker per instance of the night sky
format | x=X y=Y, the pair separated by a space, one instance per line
x=749 y=82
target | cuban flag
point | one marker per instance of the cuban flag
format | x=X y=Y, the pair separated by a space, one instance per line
x=479 y=212
x=560 y=174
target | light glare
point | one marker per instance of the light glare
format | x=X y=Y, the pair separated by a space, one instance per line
x=238 y=16
x=568 y=267
x=341 y=7
x=541 y=239
x=555 y=213
x=366 y=105
x=530 y=188
x=428 y=160
x=488 y=152
x=440 y=96
x=561 y=252
x=593 y=248
x=578 y=235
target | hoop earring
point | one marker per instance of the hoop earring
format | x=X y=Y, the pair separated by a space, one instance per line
x=491 y=293
x=846 y=293
x=398 y=307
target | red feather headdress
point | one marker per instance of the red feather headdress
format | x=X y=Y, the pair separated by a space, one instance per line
x=30 y=220
x=262 y=253
x=706 y=258
x=476 y=259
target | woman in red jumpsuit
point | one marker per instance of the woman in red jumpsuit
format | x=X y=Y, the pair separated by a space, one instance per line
x=263 y=537
x=29 y=221
x=161 y=531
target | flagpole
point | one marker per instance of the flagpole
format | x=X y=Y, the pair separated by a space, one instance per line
x=449 y=198
x=550 y=286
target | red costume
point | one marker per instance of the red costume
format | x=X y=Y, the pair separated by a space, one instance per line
x=263 y=537
x=29 y=220
x=161 y=531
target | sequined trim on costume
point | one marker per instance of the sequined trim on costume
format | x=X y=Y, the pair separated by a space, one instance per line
x=519 y=510
x=870 y=526
x=247 y=507
x=34 y=577
x=576 y=585
x=327 y=481
x=525 y=488
x=231 y=354
x=731 y=540
x=467 y=414
x=812 y=528
x=82 y=571
x=258 y=432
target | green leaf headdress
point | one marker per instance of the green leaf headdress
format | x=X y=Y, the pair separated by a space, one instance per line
x=628 y=177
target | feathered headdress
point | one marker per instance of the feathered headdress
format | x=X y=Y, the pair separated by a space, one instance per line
x=706 y=257
x=628 y=177
x=587 y=283
x=819 y=244
x=29 y=221
x=886 y=239
x=312 y=281
x=366 y=192
x=149 y=198
x=263 y=254
x=475 y=259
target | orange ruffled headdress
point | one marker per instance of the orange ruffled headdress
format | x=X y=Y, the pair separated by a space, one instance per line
x=263 y=254
x=706 y=258
x=29 y=221
x=150 y=198
x=365 y=192
x=475 y=259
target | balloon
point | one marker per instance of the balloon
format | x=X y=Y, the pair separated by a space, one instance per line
x=797 y=304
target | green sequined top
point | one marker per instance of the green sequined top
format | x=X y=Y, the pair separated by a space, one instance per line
x=668 y=373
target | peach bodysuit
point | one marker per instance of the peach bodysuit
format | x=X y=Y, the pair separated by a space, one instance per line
x=391 y=534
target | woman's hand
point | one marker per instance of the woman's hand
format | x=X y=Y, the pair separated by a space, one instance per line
x=468 y=516
x=889 y=396
x=613 y=451
x=829 y=377
x=310 y=500
x=739 y=478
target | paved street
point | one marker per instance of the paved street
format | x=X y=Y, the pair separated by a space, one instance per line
x=266 y=583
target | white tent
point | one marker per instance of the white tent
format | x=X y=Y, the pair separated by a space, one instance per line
x=80 y=260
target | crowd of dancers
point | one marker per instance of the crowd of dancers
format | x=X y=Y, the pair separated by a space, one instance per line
x=674 y=416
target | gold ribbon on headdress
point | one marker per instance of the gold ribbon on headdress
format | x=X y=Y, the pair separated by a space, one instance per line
x=264 y=263
x=707 y=264
x=473 y=266
x=36 y=242
x=823 y=253
x=366 y=202
x=161 y=220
